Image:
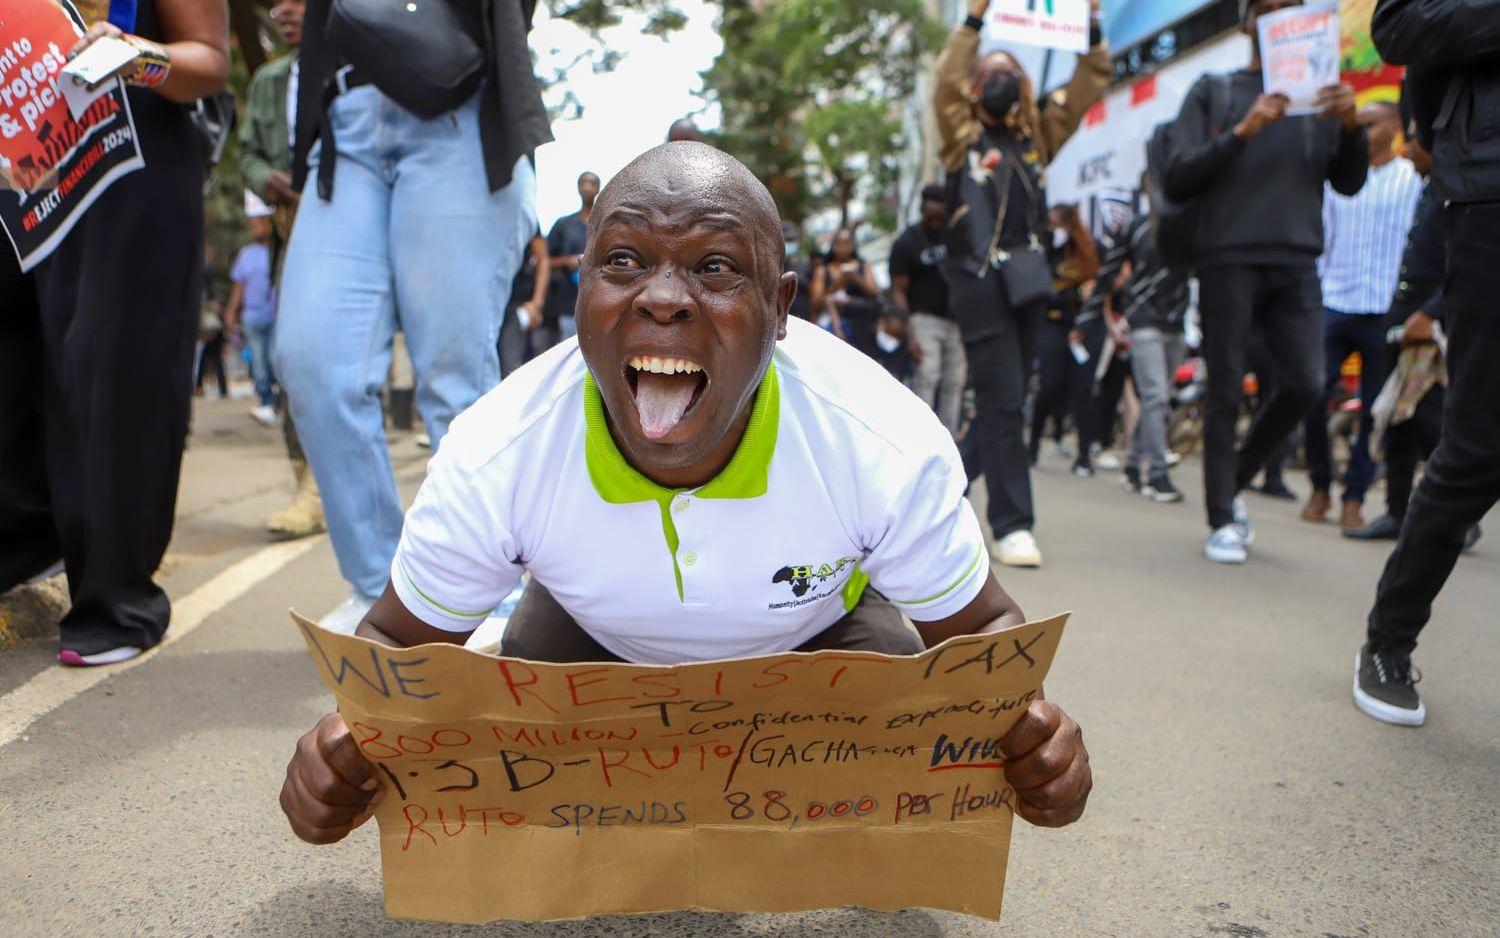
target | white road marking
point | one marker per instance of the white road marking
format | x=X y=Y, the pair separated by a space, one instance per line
x=57 y=685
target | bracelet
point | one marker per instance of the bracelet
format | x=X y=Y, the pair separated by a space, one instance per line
x=152 y=65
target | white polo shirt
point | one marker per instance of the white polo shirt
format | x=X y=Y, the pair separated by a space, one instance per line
x=844 y=478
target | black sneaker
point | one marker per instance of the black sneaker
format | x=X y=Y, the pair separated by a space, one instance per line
x=1385 y=687
x=1131 y=478
x=1275 y=488
x=1159 y=489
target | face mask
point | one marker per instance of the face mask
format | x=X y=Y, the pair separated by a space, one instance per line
x=1001 y=92
x=1059 y=238
x=887 y=342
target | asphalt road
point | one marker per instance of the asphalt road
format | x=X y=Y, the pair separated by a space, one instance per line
x=1238 y=792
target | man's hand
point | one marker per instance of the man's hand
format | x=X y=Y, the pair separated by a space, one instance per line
x=1418 y=329
x=330 y=787
x=533 y=314
x=279 y=189
x=1268 y=109
x=1047 y=765
x=1338 y=101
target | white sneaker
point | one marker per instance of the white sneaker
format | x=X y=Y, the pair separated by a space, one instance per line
x=1242 y=521
x=1017 y=549
x=1107 y=461
x=1226 y=545
x=347 y=615
x=1173 y=458
x=263 y=415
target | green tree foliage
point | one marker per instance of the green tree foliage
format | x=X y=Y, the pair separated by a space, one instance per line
x=811 y=93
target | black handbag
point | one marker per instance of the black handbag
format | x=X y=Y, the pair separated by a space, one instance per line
x=1025 y=271
x=417 y=52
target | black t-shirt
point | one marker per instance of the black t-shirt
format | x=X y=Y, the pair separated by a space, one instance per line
x=569 y=236
x=917 y=254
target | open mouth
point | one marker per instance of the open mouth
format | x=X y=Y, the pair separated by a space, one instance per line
x=665 y=389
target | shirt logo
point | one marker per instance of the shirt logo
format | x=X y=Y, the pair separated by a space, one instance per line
x=803 y=578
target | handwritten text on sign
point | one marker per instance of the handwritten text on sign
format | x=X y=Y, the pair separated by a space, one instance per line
x=536 y=791
x=1052 y=24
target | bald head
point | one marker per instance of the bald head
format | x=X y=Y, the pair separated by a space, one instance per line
x=713 y=183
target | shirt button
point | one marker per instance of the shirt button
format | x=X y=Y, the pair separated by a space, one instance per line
x=681 y=503
x=689 y=558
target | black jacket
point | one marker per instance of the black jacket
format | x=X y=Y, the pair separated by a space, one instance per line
x=1423 y=263
x=1262 y=200
x=512 y=119
x=1453 y=50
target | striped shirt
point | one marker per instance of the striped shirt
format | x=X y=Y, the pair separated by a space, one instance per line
x=1364 y=236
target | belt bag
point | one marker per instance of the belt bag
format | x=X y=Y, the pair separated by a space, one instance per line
x=418 y=54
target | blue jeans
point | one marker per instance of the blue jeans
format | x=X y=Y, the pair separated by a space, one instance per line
x=411 y=237
x=1344 y=333
x=258 y=338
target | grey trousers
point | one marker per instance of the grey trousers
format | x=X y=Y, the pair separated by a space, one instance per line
x=541 y=630
x=943 y=370
x=1154 y=357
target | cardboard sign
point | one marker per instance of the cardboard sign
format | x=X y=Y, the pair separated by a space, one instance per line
x=522 y=790
x=52 y=167
x=1299 y=53
x=1053 y=24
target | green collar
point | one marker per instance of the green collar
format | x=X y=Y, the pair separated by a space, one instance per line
x=746 y=476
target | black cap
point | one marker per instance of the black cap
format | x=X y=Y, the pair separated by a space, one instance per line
x=934 y=192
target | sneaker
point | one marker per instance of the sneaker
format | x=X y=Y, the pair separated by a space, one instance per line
x=1083 y=470
x=1385 y=687
x=1173 y=458
x=265 y=415
x=1472 y=536
x=1161 y=490
x=424 y=441
x=109 y=656
x=1275 y=488
x=1108 y=461
x=1062 y=450
x=1226 y=545
x=1242 y=521
x=1017 y=549
x=347 y=615
x=1384 y=528
x=1131 y=479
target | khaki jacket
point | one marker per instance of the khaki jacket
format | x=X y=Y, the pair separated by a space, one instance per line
x=1059 y=114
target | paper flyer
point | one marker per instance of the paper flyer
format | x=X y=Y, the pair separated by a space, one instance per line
x=1052 y=24
x=52 y=167
x=1299 y=54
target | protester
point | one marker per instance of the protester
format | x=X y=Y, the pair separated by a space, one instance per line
x=995 y=140
x=1066 y=383
x=1156 y=300
x=212 y=339
x=565 y=244
x=802 y=303
x=410 y=213
x=1364 y=236
x=1259 y=177
x=265 y=164
x=684 y=130
x=251 y=310
x=1452 y=51
x=920 y=291
x=109 y=334
x=694 y=391
x=524 y=311
x=847 y=293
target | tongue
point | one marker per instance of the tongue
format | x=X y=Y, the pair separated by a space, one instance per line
x=661 y=400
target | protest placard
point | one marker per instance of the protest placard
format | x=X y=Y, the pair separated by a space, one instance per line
x=52 y=167
x=532 y=791
x=1054 y=24
x=1299 y=53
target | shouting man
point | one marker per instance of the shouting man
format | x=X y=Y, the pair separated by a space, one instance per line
x=694 y=478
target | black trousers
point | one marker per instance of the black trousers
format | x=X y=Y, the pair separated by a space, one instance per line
x=1462 y=480
x=1000 y=343
x=211 y=358
x=1287 y=301
x=1264 y=366
x=89 y=472
x=542 y=630
x=1063 y=386
x=1407 y=444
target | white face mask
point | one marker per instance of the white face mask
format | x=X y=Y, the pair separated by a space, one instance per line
x=887 y=342
x=1059 y=238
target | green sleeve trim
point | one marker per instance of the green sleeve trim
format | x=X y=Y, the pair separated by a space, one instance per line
x=484 y=614
x=957 y=583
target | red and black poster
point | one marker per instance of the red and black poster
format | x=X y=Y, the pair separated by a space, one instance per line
x=52 y=167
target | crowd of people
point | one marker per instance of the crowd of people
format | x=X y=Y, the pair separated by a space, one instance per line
x=380 y=206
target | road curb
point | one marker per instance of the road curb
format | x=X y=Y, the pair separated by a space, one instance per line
x=31 y=611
